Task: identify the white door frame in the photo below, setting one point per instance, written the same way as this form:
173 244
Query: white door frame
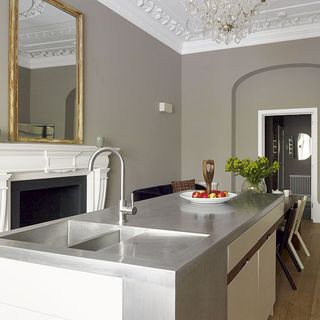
262 114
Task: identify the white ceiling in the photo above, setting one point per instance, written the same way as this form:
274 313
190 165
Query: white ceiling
281 20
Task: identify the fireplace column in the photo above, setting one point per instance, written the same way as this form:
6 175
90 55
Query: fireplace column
4 221
97 189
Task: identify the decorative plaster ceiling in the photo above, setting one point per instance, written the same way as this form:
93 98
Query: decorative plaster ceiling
281 20
47 35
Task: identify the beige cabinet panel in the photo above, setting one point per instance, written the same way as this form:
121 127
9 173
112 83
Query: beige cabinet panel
242 245
267 277
243 292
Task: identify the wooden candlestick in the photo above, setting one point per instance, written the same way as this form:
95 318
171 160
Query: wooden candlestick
208 173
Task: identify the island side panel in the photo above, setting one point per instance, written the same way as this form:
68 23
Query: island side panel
201 286
149 300
33 290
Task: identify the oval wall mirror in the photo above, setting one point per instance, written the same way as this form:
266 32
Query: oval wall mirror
45 66
304 146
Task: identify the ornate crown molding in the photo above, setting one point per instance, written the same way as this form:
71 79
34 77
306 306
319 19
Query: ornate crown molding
166 21
285 21
36 47
48 53
163 18
49 35
36 9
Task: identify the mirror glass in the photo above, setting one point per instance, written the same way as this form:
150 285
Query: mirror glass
49 94
303 146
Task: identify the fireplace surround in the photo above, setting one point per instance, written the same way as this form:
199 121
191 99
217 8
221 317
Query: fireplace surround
48 163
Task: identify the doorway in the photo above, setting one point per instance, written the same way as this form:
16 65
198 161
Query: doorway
281 136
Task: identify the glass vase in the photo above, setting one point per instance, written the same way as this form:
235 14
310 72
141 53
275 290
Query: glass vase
248 186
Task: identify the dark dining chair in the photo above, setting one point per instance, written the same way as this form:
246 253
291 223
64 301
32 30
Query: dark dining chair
282 243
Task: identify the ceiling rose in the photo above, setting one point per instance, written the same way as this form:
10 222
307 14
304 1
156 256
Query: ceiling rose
222 20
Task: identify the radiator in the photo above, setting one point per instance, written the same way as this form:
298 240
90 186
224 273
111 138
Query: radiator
300 184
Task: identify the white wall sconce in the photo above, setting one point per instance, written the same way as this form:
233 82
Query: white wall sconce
165 107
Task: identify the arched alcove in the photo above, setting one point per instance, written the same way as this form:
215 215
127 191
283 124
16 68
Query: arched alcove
275 87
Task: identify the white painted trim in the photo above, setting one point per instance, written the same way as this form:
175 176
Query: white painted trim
4 178
47 62
262 37
315 210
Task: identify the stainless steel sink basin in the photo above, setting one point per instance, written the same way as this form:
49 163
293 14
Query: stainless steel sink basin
98 236
62 234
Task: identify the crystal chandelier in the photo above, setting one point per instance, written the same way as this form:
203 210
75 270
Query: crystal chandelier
222 20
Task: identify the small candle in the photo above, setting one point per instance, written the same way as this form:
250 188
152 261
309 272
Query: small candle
99 142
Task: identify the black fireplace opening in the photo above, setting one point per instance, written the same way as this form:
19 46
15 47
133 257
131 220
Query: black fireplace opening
41 200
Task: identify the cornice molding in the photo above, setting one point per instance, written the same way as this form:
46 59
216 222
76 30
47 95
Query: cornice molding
49 35
163 18
47 62
262 37
153 18
48 48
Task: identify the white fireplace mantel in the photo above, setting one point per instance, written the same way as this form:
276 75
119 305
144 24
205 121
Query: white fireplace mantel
28 161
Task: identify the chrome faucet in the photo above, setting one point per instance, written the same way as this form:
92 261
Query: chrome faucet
124 209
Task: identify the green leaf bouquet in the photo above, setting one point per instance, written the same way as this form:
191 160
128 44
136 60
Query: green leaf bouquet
253 170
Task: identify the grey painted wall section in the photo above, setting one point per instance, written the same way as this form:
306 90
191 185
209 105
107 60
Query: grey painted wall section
207 82
50 88
24 94
127 73
4 27
274 89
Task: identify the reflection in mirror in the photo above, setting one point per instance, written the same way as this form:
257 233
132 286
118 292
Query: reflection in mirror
49 67
304 146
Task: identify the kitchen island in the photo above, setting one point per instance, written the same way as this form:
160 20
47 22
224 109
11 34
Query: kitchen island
173 260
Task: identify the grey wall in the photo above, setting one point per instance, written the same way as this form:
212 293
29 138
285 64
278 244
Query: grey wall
207 82
127 73
4 22
274 89
24 94
49 90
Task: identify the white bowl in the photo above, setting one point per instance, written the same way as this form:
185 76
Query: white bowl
206 209
188 196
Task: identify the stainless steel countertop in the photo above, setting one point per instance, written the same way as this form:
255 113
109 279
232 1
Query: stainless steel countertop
222 223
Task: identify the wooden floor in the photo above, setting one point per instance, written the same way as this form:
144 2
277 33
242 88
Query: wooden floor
303 304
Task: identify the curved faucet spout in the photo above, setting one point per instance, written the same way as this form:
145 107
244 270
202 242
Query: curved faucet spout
124 210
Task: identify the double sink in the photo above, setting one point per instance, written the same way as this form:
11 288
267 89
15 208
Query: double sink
110 238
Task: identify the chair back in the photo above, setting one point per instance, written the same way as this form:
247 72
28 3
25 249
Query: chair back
287 232
300 209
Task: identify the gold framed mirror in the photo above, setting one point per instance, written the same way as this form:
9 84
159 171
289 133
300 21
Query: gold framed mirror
45 72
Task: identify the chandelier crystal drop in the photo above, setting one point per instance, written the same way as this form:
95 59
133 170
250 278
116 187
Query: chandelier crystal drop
222 20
